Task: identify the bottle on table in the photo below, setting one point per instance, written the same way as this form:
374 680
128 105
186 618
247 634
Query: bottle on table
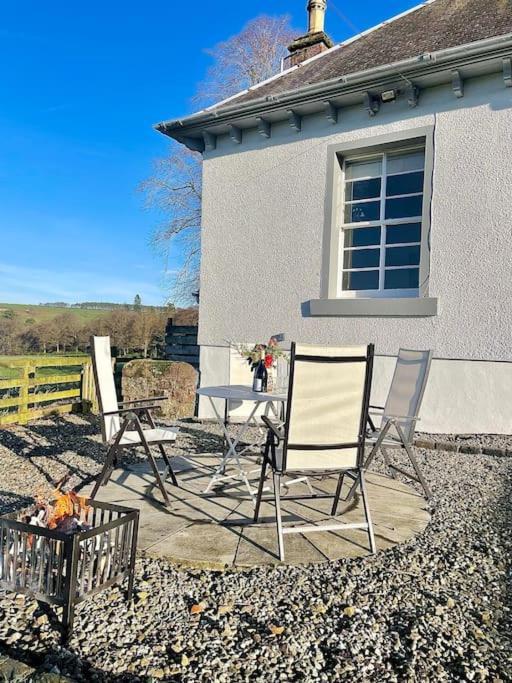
260 379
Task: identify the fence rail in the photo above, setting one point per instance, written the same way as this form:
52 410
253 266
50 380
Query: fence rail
181 343
29 399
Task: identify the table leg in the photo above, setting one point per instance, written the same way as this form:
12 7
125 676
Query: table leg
227 439
231 453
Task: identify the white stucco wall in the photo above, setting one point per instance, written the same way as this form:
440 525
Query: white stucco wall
462 397
264 208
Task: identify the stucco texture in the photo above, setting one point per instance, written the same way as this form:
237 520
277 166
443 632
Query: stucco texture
265 204
264 212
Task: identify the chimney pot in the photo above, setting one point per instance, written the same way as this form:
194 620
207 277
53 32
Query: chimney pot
315 40
316 10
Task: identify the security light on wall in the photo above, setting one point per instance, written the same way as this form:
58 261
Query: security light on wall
388 95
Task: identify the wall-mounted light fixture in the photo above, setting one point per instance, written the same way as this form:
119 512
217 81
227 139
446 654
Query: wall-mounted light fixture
388 95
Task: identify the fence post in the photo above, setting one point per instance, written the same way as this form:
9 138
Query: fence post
23 415
89 387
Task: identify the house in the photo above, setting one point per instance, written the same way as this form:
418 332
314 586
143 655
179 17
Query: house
364 194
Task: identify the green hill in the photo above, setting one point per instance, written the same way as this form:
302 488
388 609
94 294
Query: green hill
26 313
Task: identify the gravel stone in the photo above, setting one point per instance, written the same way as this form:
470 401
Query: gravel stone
437 608
480 441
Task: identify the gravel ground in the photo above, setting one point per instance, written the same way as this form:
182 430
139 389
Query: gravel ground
479 440
438 608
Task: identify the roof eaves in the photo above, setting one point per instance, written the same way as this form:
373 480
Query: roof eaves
306 62
325 88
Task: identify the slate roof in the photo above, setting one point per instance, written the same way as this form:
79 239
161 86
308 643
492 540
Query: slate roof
435 25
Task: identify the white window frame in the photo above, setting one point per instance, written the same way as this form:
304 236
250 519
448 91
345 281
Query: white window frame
381 223
332 262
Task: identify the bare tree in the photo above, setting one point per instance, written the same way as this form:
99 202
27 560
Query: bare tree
174 190
149 326
251 56
8 336
119 326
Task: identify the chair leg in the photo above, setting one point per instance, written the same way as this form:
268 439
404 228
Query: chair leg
167 461
369 459
149 454
371 537
279 523
156 473
311 490
337 494
372 455
387 462
260 489
416 467
106 471
367 464
111 459
352 491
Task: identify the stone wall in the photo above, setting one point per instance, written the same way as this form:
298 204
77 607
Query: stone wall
176 381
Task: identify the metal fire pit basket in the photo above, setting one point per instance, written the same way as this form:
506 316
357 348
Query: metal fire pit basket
65 569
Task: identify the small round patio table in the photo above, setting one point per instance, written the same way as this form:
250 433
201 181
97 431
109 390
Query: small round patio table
238 393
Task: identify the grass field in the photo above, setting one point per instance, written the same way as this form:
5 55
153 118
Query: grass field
7 372
26 312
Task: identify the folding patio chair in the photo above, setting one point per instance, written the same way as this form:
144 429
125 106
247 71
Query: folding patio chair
400 415
324 429
122 423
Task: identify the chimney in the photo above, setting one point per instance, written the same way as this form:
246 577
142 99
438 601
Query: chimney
316 10
315 40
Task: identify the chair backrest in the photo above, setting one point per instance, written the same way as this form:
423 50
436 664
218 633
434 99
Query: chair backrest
105 385
407 389
328 398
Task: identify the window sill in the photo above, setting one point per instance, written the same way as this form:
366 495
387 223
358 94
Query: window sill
377 308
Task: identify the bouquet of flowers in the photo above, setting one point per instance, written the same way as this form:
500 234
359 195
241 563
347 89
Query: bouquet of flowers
271 350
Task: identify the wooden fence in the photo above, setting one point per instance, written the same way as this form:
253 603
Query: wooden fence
30 380
181 343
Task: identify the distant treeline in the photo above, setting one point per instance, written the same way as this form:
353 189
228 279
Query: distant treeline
140 331
99 305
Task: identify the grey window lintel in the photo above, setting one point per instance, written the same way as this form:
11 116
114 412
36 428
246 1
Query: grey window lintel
376 307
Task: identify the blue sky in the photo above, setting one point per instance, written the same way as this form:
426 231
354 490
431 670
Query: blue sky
81 86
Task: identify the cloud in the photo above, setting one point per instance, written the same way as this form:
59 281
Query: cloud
19 284
55 108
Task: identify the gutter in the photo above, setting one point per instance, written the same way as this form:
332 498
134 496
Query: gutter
324 88
348 41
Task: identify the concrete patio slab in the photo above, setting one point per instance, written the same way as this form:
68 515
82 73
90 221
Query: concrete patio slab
217 531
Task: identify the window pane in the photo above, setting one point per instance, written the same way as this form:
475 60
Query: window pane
407 183
407 161
361 258
404 207
363 189
401 234
359 280
406 278
363 169
403 256
366 211
362 237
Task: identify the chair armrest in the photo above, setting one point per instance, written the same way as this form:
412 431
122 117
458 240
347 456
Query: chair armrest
273 427
143 400
134 409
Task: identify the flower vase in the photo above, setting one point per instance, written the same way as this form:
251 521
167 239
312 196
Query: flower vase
271 379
